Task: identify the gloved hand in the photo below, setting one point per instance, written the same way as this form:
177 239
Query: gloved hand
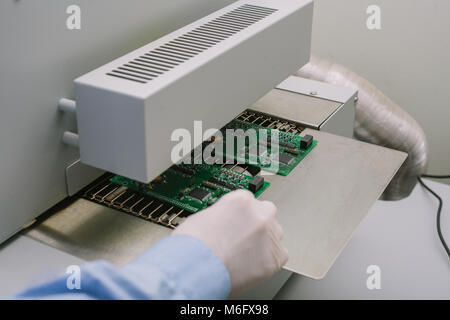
244 234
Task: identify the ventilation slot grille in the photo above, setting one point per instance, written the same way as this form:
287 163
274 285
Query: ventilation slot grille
166 57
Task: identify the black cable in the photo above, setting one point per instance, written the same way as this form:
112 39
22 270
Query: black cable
435 176
438 219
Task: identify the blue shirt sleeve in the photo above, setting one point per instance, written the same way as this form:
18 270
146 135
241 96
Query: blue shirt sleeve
177 267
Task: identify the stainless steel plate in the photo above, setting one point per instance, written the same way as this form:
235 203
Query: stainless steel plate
320 205
307 110
325 198
90 231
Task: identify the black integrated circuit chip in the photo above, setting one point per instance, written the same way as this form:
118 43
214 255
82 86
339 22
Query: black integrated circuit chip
306 142
199 194
285 159
256 184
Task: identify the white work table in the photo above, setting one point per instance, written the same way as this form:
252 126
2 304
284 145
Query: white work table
399 237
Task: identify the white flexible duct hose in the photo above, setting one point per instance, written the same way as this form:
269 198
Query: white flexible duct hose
379 121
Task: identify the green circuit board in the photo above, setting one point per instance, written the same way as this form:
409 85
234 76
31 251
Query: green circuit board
192 187
273 150
187 188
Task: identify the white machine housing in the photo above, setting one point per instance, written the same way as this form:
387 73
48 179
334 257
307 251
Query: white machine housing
128 109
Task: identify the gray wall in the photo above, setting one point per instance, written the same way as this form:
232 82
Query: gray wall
408 59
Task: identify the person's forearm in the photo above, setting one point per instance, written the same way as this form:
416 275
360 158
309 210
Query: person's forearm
177 267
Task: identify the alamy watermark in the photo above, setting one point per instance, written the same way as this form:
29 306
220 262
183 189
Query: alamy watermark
374 19
229 146
73 21
73 281
373 282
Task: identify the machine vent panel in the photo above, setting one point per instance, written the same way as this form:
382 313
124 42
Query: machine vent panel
173 53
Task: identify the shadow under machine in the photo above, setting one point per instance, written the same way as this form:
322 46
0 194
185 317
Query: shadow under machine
229 70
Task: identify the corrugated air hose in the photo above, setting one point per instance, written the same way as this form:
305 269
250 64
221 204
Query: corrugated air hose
378 121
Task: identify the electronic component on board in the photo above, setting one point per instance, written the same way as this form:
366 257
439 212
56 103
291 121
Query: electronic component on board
256 184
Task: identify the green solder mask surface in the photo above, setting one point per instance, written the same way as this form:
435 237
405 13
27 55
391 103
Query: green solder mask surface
185 189
211 181
175 184
289 145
